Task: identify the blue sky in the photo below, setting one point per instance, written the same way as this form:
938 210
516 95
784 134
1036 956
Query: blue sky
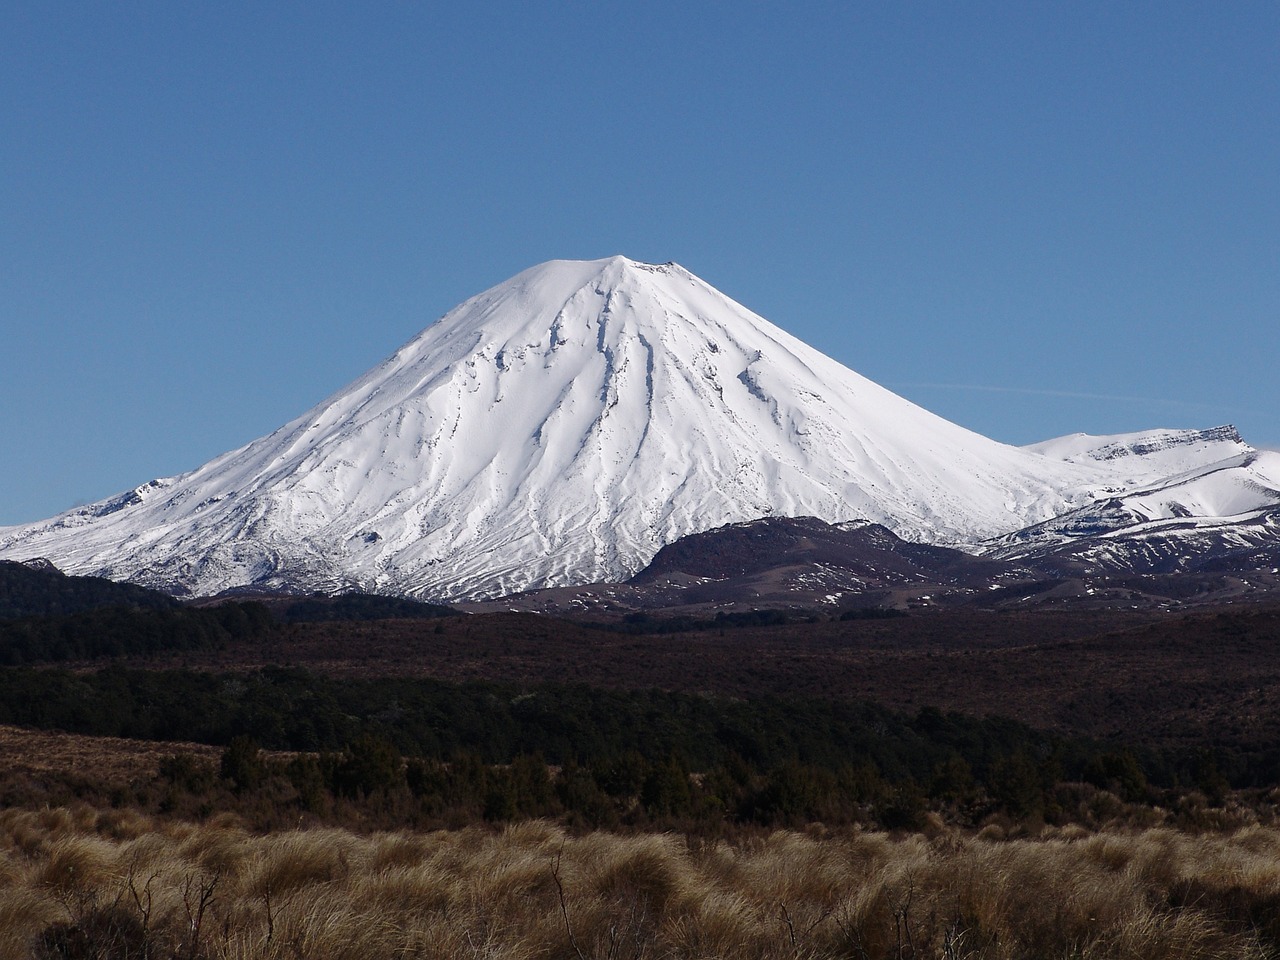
1031 218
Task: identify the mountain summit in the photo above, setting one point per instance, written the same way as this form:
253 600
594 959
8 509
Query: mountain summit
557 429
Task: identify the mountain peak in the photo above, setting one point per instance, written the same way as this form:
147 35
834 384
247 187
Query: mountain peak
540 299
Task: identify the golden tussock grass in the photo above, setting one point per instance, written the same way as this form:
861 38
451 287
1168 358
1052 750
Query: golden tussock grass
73 883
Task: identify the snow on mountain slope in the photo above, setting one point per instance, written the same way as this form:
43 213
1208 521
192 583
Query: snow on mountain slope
556 429
1230 505
1150 455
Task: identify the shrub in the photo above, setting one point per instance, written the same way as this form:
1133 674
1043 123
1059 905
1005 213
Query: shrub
242 764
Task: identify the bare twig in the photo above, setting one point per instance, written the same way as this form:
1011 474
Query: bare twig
791 927
564 907
141 899
196 899
902 923
852 935
952 941
826 915
271 919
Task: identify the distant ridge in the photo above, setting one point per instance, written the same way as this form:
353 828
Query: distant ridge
37 588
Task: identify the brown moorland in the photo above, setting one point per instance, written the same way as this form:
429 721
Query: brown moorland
107 762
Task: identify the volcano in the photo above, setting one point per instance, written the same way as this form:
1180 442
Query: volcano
558 429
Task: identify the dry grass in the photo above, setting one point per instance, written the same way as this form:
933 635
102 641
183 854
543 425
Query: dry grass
75 883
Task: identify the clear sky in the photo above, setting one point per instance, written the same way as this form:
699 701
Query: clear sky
1031 218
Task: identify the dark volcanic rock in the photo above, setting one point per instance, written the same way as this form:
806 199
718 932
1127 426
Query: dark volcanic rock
868 550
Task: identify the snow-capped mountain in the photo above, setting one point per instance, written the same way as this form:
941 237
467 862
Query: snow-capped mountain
1205 513
560 428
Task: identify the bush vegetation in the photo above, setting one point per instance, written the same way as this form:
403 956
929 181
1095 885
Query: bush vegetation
648 623
118 631
428 753
361 607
